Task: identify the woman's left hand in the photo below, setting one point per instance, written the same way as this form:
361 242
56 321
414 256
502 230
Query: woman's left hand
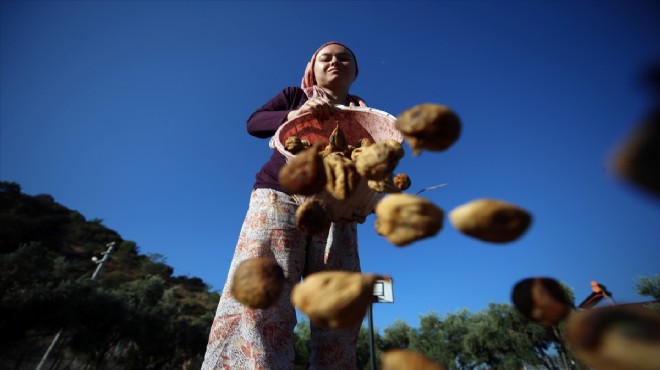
320 108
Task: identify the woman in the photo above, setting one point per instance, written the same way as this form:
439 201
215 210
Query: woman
245 338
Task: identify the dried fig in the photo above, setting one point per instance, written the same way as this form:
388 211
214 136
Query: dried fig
348 153
616 337
335 299
383 186
402 181
396 147
542 300
294 145
379 160
491 220
341 175
305 173
356 153
337 139
429 126
403 359
405 218
364 142
258 282
313 217
337 143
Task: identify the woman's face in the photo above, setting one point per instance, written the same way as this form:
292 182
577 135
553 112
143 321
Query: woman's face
334 67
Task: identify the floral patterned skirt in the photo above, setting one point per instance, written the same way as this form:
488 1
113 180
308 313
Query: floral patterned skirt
245 338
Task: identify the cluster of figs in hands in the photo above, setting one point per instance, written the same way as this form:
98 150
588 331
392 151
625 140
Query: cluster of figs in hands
338 166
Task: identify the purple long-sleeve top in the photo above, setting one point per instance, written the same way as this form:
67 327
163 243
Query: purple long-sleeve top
264 122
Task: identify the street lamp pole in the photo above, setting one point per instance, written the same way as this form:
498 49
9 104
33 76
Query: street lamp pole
99 267
372 347
382 294
100 263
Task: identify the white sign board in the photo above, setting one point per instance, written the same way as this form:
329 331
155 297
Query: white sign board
383 291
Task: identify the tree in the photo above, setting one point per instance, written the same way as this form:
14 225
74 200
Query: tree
649 287
398 335
501 338
27 283
442 340
363 350
497 337
302 335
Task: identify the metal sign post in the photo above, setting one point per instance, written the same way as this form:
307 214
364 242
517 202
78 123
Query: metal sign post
382 294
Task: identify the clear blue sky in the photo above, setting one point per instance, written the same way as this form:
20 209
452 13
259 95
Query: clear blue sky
134 112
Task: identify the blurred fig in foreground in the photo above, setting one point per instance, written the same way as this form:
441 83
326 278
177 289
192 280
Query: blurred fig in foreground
402 181
305 173
258 282
335 299
429 127
491 220
638 159
378 161
619 337
402 359
405 218
313 217
542 300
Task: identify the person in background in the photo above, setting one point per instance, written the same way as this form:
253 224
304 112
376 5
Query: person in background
246 338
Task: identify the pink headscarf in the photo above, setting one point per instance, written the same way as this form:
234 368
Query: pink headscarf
308 83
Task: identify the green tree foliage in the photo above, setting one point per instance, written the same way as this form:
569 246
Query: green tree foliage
28 282
503 339
301 338
442 339
494 338
497 337
363 350
397 335
649 287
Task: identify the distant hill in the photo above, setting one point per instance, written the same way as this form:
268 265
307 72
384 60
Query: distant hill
136 315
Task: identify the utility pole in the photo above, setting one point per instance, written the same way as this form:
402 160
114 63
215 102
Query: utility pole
99 267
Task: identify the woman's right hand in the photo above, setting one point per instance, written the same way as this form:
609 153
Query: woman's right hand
320 108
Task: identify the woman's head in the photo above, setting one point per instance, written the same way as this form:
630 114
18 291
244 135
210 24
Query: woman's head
333 65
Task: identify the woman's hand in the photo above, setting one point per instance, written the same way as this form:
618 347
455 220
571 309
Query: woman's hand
320 108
